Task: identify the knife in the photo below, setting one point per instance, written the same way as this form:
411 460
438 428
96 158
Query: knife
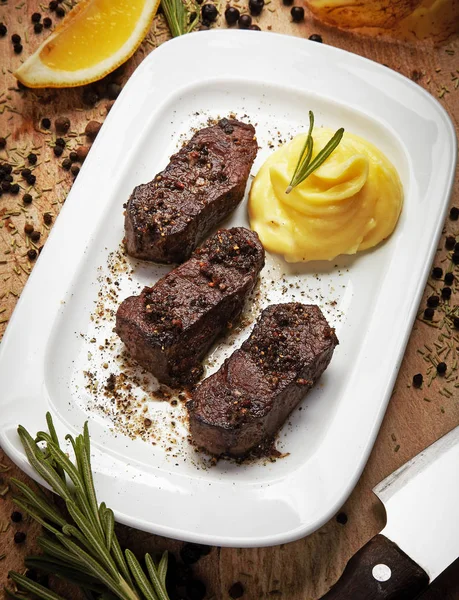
421 537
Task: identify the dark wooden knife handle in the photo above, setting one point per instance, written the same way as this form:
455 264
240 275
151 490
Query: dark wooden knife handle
396 576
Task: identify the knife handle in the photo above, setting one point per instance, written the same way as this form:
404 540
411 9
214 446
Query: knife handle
379 571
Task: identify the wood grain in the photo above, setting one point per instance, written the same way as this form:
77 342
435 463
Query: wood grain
306 569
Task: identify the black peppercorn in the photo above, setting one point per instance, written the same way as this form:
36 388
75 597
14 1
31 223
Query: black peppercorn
297 13
256 6
429 313
60 142
60 12
58 150
53 5
75 170
456 246
417 380
3 30
209 12
113 90
441 368
26 173
437 272
232 15
66 164
342 518
7 168
449 278
236 590
73 156
8 178
244 21
32 254
47 218
450 242
35 236
191 553
315 37
31 179
196 590
90 97
6 186
45 123
27 199
14 189
2 143
254 28
38 27
16 38
454 213
36 17
19 537
456 322
287 2
47 22
16 516
455 257
446 293
17 48
28 228
32 158
433 301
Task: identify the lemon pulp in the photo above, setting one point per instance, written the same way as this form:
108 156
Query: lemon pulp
94 34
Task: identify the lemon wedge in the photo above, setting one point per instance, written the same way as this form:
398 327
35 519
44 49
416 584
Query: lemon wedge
94 39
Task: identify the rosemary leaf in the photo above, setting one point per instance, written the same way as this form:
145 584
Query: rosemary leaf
155 578
178 17
33 499
62 570
304 166
96 569
28 585
139 576
162 568
305 155
57 551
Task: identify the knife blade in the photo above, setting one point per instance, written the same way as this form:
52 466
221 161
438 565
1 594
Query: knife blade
421 537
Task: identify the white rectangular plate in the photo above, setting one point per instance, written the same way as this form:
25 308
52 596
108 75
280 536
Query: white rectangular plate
152 477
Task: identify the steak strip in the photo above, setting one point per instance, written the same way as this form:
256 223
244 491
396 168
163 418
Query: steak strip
166 219
246 401
169 328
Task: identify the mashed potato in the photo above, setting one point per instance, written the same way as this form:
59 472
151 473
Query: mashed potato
350 203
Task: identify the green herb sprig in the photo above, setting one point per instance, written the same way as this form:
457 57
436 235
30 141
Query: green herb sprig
82 546
179 18
305 167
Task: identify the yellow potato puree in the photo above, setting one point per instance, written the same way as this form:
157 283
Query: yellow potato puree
350 203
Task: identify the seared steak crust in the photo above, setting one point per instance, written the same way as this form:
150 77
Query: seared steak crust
166 219
246 401
169 328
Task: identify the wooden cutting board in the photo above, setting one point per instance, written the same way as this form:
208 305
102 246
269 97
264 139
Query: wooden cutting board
303 570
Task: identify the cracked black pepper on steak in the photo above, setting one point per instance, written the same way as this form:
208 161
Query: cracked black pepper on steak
243 404
169 328
202 184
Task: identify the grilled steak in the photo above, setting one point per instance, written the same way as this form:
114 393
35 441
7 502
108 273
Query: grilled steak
169 328
246 401
203 183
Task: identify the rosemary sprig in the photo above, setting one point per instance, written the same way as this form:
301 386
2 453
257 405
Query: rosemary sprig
82 547
304 166
179 18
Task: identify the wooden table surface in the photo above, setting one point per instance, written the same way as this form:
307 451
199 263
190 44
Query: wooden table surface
303 570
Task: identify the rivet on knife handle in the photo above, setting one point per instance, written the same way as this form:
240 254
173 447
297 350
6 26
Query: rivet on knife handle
379 571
